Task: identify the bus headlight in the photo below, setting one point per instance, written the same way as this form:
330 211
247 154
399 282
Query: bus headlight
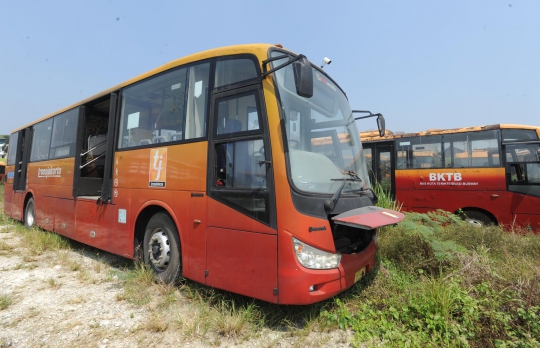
314 258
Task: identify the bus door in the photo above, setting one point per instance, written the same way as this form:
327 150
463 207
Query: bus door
22 156
95 146
381 164
523 176
21 160
241 235
92 179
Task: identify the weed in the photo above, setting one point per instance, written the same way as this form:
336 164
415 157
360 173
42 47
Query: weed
74 266
29 258
195 321
31 266
97 267
418 243
53 283
86 276
76 300
156 323
4 247
137 284
38 241
5 301
231 322
62 257
385 198
168 295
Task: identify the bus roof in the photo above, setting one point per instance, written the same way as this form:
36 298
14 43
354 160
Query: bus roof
260 50
374 136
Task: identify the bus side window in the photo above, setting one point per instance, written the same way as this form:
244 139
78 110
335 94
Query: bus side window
166 108
516 173
41 141
240 169
237 164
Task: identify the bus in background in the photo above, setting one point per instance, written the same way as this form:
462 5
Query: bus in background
205 169
2 172
490 173
3 145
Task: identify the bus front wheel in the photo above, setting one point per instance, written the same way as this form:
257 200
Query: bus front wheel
161 249
477 218
29 213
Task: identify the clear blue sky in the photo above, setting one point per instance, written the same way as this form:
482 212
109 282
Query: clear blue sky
423 64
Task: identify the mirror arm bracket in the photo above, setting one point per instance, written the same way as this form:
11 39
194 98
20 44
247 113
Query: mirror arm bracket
290 61
380 119
366 112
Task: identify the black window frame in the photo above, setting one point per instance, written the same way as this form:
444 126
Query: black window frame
34 143
241 83
208 92
447 148
218 193
12 149
72 145
233 96
505 135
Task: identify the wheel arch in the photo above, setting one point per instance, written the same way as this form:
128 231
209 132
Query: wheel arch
148 210
29 194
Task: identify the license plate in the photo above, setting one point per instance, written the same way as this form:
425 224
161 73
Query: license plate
359 274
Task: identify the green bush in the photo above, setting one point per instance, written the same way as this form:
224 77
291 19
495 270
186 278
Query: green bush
443 282
416 244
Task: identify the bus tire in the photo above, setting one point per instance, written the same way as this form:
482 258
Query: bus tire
29 213
161 249
477 218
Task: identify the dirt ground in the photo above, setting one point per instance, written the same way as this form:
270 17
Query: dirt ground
73 298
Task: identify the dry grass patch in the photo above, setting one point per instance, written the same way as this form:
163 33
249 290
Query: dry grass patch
4 247
233 322
38 241
5 301
62 257
74 266
138 285
156 323
76 300
86 276
53 283
29 258
97 267
194 321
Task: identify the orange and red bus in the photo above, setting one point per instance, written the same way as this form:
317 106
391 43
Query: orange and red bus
204 168
2 172
491 174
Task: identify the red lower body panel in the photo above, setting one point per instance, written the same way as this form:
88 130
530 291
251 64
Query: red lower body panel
300 285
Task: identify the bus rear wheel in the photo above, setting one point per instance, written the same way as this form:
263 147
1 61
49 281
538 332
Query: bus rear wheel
477 218
29 213
161 249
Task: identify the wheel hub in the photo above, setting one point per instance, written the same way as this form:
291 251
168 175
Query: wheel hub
159 249
30 215
475 222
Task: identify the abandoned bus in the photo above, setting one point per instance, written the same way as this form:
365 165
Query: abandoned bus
490 173
205 169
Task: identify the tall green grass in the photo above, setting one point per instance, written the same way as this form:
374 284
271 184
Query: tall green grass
443 282
384 198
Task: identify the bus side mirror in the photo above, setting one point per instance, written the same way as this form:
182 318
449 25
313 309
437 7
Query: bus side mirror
303 77
381 125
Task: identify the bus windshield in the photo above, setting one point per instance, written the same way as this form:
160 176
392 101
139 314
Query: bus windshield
323 141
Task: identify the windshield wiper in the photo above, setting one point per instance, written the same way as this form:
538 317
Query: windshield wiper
330 204
367 192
